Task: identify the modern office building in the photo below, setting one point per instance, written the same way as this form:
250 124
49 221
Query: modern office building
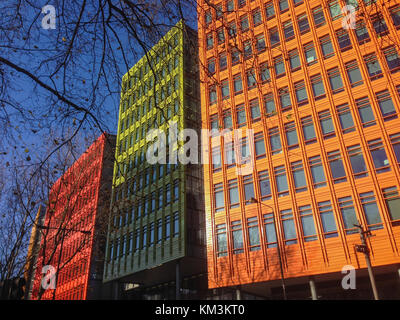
73 235
156 238
323 98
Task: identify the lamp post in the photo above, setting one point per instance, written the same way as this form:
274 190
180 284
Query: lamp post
61 247
254 200
363 248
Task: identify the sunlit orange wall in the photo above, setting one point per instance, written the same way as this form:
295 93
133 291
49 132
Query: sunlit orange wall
324 254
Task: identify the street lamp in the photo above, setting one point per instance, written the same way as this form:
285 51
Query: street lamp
254 200
61 247
363 248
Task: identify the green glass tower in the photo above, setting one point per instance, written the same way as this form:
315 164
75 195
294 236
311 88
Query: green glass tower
156 234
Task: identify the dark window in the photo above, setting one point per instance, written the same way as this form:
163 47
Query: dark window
345 118
298 176
294 60
248 187
240 115
270 230
301 93
392 59
392 201
281 181
260 43
251 79
269 104
291 135
223 62
371 210
257 19
386 105
283 5
348 214
289 229
353 73
237 236
326 46
247 49
302 21
361 32
274 37
308 130
265 185
379 25
395 140
254 235
373 67
327 219
343 39
284 99
237 84
378 155
220 35
395 13
365 112
255 110
269 10
318 16
225 89
318 87
336 166
279 66
222 245
244 24
288 30
335 80
317 171
211 65
307 223
264 73
275 140
327 127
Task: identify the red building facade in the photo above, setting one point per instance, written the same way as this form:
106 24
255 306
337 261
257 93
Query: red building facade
323 101
72 240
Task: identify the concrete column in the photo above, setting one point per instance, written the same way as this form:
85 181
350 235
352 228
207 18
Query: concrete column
238 294
313 288
115 290
177 281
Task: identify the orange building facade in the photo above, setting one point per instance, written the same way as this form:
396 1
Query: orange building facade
323 99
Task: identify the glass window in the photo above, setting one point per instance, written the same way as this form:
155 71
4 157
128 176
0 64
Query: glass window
237 236
343 39
378 154
269 104
302 21
257 19
219 197
345 118
227 118
244 23
361 32
294 60
335 80
274 37
301 93
253 233
309 53
230 6
307 223
233 193
334 9
235 56
317 86
260 43
291 135
269 10
373 67
353 72
326 46
265 185
298 176
386 105
348 214
327 219
284 98
371 210
288 30
379 25
392 201
240 115
283 5
264 73
308 130
259 145
216 159
365 111
275 140
237 84
225 89
392 59
395 14
318 16
327 127
251 79
281 181
336 165
176 225
247 49
248 187
357 161
317 171
270 230
395 141
212 94
289 229
230 158
279 66
222 245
